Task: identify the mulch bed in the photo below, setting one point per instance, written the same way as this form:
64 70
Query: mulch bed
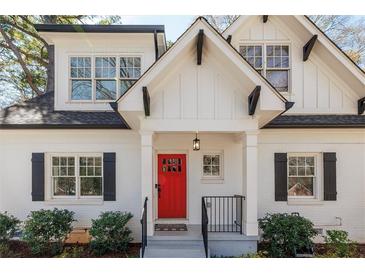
20 249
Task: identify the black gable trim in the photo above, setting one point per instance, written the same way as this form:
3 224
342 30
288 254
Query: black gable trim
39 113
318 121
100 28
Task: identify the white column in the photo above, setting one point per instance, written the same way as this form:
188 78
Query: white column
147 176
250 181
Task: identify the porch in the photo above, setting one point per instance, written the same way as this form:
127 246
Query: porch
220 213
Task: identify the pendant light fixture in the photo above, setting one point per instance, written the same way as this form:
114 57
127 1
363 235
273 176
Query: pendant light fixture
196 142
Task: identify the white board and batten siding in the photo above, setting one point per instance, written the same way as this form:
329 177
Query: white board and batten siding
199 92
313 86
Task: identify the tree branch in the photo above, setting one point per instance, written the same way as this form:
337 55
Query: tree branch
16 52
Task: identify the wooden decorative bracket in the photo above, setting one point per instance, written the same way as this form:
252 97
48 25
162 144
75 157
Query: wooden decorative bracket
308 47
253 99
146 101
199 47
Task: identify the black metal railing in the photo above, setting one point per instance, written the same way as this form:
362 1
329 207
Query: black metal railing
144 227
205 222
224 213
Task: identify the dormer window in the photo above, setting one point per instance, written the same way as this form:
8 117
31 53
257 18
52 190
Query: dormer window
98 78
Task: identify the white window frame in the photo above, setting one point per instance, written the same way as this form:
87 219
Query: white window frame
264 69
318 186
221 165
78 197
93 78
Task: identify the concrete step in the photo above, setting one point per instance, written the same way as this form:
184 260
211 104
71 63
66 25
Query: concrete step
174 249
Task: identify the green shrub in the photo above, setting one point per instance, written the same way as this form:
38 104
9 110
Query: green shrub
286 233
338 245
110 233
8 226
46 230
6 251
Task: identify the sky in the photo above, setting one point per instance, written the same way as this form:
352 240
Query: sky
175 25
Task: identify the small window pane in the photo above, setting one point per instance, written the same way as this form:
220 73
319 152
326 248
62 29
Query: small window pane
74 72
277 62
215 160
270 51
277 51
258 62
309 171
250 51
106 90
292 161
97 161
55 171
207 160
63 161
270 62
55 161
90 171
82 161
97 171
285 51
64 186
309 161
285 62
73 62
215 170
82 171
301 171
137 62
301 161
293 171
251 60
279 79
258 51
81 90
91 186
207 170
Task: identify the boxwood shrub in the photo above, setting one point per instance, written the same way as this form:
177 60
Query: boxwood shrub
110 232
46 230
285 234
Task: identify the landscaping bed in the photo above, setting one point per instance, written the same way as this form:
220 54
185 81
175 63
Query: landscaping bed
20 249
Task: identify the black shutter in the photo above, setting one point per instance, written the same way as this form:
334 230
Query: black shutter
329 166
109 176
281 175
37 176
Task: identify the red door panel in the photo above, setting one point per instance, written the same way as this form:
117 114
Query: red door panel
172 186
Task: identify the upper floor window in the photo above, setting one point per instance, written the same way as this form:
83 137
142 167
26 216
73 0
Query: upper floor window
98 79
272 61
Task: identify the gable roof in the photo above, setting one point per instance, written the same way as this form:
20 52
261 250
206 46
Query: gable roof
311 27
100 28
228 45
39 113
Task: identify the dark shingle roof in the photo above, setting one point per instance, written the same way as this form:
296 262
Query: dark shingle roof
318 121
39 113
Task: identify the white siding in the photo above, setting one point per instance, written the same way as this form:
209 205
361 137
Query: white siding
350 151
314 86
16 170
199 92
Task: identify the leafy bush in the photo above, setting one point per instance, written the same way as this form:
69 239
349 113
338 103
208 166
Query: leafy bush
258 254
110 233
8 226
338 245
6 251
46 230
286 233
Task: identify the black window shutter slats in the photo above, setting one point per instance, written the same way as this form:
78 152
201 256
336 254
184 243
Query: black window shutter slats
329 169
37 176
109 176
281 175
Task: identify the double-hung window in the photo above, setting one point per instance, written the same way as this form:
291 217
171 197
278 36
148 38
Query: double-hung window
272 61
302 175
76 176
105 82
102 78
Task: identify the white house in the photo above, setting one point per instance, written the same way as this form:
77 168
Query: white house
275 110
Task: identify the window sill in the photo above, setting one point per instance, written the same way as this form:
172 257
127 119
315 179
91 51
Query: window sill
75 202
304 202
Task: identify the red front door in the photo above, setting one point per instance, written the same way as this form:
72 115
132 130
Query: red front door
171 186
